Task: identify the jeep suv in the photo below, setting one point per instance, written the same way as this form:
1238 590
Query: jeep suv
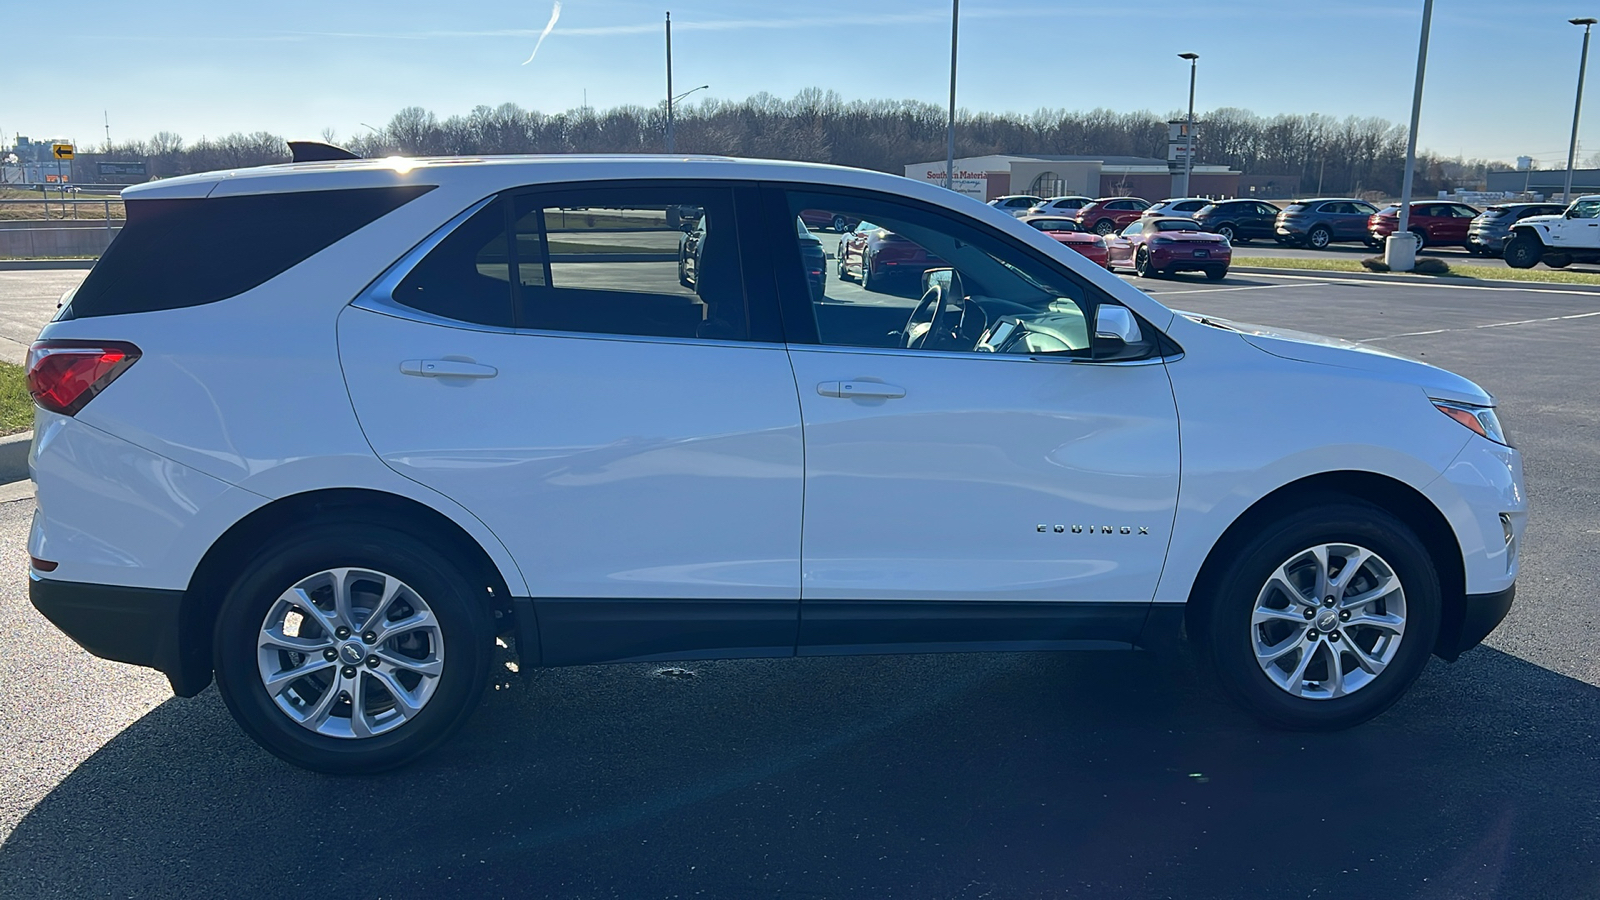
324 432
1557 241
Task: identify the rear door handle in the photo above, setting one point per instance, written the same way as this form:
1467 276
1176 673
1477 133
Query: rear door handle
447 368
861 390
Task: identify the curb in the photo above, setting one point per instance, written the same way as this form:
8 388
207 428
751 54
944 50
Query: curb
23 265
1443 280
14 456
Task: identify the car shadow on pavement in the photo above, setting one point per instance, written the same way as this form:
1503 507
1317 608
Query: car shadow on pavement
1103 775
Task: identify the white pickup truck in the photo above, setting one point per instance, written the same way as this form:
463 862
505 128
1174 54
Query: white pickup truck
1557 241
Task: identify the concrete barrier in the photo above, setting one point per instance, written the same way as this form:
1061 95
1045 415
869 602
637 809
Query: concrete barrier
14 456
89 240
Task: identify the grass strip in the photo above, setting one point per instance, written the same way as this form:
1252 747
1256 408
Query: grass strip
16 406
1457 272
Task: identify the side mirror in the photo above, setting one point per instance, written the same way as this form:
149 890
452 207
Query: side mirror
1116 326
944 278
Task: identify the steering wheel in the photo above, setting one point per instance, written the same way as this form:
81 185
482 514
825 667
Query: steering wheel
910 338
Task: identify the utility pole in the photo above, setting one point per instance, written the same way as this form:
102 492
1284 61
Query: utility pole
1577 107
950 129
1188 155
669 82
1400 250
107 115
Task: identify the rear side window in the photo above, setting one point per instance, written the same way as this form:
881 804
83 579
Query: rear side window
179 253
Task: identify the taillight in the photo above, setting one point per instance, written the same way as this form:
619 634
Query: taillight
63 376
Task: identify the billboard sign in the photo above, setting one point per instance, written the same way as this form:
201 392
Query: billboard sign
1178 140
962 181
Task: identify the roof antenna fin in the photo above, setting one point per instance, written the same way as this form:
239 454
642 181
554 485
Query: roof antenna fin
317 151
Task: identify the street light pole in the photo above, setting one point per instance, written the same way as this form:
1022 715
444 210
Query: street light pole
669 81
1403 260
1188 153
950 129
1577 106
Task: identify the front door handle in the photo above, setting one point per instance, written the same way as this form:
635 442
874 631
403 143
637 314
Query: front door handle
447 368
861 390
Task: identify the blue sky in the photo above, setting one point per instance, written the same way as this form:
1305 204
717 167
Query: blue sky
1500 78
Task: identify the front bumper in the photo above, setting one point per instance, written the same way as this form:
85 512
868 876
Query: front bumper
142 626
1481 614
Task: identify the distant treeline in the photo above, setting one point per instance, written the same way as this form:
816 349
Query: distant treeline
1342 155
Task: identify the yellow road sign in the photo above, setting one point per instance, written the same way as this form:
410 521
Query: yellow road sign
62 151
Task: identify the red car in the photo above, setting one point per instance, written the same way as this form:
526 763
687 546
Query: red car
1109 215
881 259
1155 247
1433 222
1070 233
822 218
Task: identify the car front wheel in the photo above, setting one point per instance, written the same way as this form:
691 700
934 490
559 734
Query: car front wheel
1319 237
352 648
1523 252
1325 618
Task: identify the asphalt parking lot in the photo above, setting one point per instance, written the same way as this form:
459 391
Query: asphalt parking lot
985 775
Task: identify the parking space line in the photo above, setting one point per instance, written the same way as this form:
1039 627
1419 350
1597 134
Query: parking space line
1531 289
1253 287
1390 337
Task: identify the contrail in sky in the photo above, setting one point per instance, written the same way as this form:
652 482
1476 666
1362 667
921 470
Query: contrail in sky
555 13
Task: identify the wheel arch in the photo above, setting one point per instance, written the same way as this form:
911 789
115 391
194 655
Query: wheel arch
1392 495
222 562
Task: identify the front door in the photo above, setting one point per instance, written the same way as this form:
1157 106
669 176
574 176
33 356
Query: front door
974 476
634 442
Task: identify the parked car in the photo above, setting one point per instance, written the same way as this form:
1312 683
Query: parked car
1109 215
1435 223
1557 241
1156 247
1239 220
813 258
1488 233
882 260
1071 234
1016 204
323 434
1060 206
818 218
1177 206
1318 223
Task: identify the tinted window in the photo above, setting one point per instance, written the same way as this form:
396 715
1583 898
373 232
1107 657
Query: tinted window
1335 209
660 262
179 253
1055 225
468 275
1121 204
1365 209
1178 226
997 288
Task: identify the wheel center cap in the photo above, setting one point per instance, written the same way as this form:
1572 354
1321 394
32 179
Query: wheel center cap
1327 620
352 652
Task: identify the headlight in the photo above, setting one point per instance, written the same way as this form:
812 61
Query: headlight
1478 418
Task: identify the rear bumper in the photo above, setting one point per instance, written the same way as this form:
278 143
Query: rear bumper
142 626
1481 614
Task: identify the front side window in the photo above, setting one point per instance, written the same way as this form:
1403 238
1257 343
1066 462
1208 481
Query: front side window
1133 229
1586 209
926 280
1365 209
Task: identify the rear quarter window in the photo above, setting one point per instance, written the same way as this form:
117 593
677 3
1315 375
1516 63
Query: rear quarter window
177 253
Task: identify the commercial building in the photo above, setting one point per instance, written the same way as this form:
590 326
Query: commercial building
1545 182
988 177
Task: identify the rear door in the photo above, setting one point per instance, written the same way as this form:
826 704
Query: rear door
972 483
634 442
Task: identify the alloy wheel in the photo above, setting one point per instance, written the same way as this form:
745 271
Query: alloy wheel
1328 621
350 653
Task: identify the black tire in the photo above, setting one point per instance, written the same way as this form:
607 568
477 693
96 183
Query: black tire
1141 264
464 624
867 281
1557 260
1319 237
1227 636
1227 231
1422 237
1216 274
1373 244
683 277
1105 227
1523 252
839 224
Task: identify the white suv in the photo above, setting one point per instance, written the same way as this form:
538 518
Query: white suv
1557 241
325 430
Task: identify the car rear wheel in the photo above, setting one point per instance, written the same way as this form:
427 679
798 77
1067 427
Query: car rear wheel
1104 227
1557 260
839 224
1523 252
1324 618
1216 274
1422 237
331 648
867 281
1228 232
1319 237
1142 266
